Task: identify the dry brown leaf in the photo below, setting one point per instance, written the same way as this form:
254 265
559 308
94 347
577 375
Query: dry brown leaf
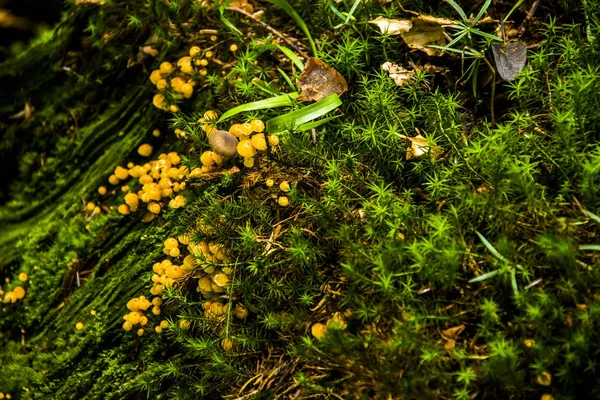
319 80
392 26
398 73
452 333
419 147
418 32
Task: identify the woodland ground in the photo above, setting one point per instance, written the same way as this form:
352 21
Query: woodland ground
441 237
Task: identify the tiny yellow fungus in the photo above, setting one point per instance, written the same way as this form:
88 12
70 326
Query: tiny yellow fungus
154 208
204 62
208 54
125 189
143 321
140 332
102 190
283 201
173 158
159 101
19 292
547 396
259 142
121 173
257 125
156 133
123 209
171 243
175 272
79 326
249 162
269 182
213 38
318 330
155 76
93 312
240 311
97 210
273 140
284 186
247 128
233 48
203 72
221 280
162 84
10 297
544 379
157 301
113 180
166 68
132 200
174 252
145 150
134 317
245 148
164 324
133 304
177 83
211 115
227 344
173 108
194 51
156 310
22 276
127 326
184 324
158 329
187 90
90 206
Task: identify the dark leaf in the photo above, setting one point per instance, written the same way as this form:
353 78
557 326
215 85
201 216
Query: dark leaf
510 59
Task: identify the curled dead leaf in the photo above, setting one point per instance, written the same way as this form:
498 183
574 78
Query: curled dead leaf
398 73
419 147
510 59
419 32
319 80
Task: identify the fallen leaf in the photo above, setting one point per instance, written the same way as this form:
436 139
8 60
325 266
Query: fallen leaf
426 31
399 74
392 26
510 59
319 80
26 113
452 333
151 51
419 147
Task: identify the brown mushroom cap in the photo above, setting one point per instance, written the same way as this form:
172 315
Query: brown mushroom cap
223 143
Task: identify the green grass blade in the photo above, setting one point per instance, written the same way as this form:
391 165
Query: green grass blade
352 10
491 248
227 22
592 247
512 10
296 118
485 276
486 35
482 11
593 216
292 56
273 102
458 9
286 78
513 282
311 125
285 6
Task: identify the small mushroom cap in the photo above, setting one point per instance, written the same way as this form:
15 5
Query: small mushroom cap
223 143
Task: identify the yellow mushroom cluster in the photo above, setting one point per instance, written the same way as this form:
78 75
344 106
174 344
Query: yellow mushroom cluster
5 396
337 321
160 180
252 139
136 316
284 186
17 293
180 77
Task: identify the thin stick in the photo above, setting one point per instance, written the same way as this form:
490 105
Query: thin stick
270 29
529 16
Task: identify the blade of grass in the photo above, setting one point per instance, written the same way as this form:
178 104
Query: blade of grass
512 10
311 125
593 216
286 78
592 247
225 21
458 9
296 118
285 6
481 12
485 276
513 282
273 102
491 248
292 56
